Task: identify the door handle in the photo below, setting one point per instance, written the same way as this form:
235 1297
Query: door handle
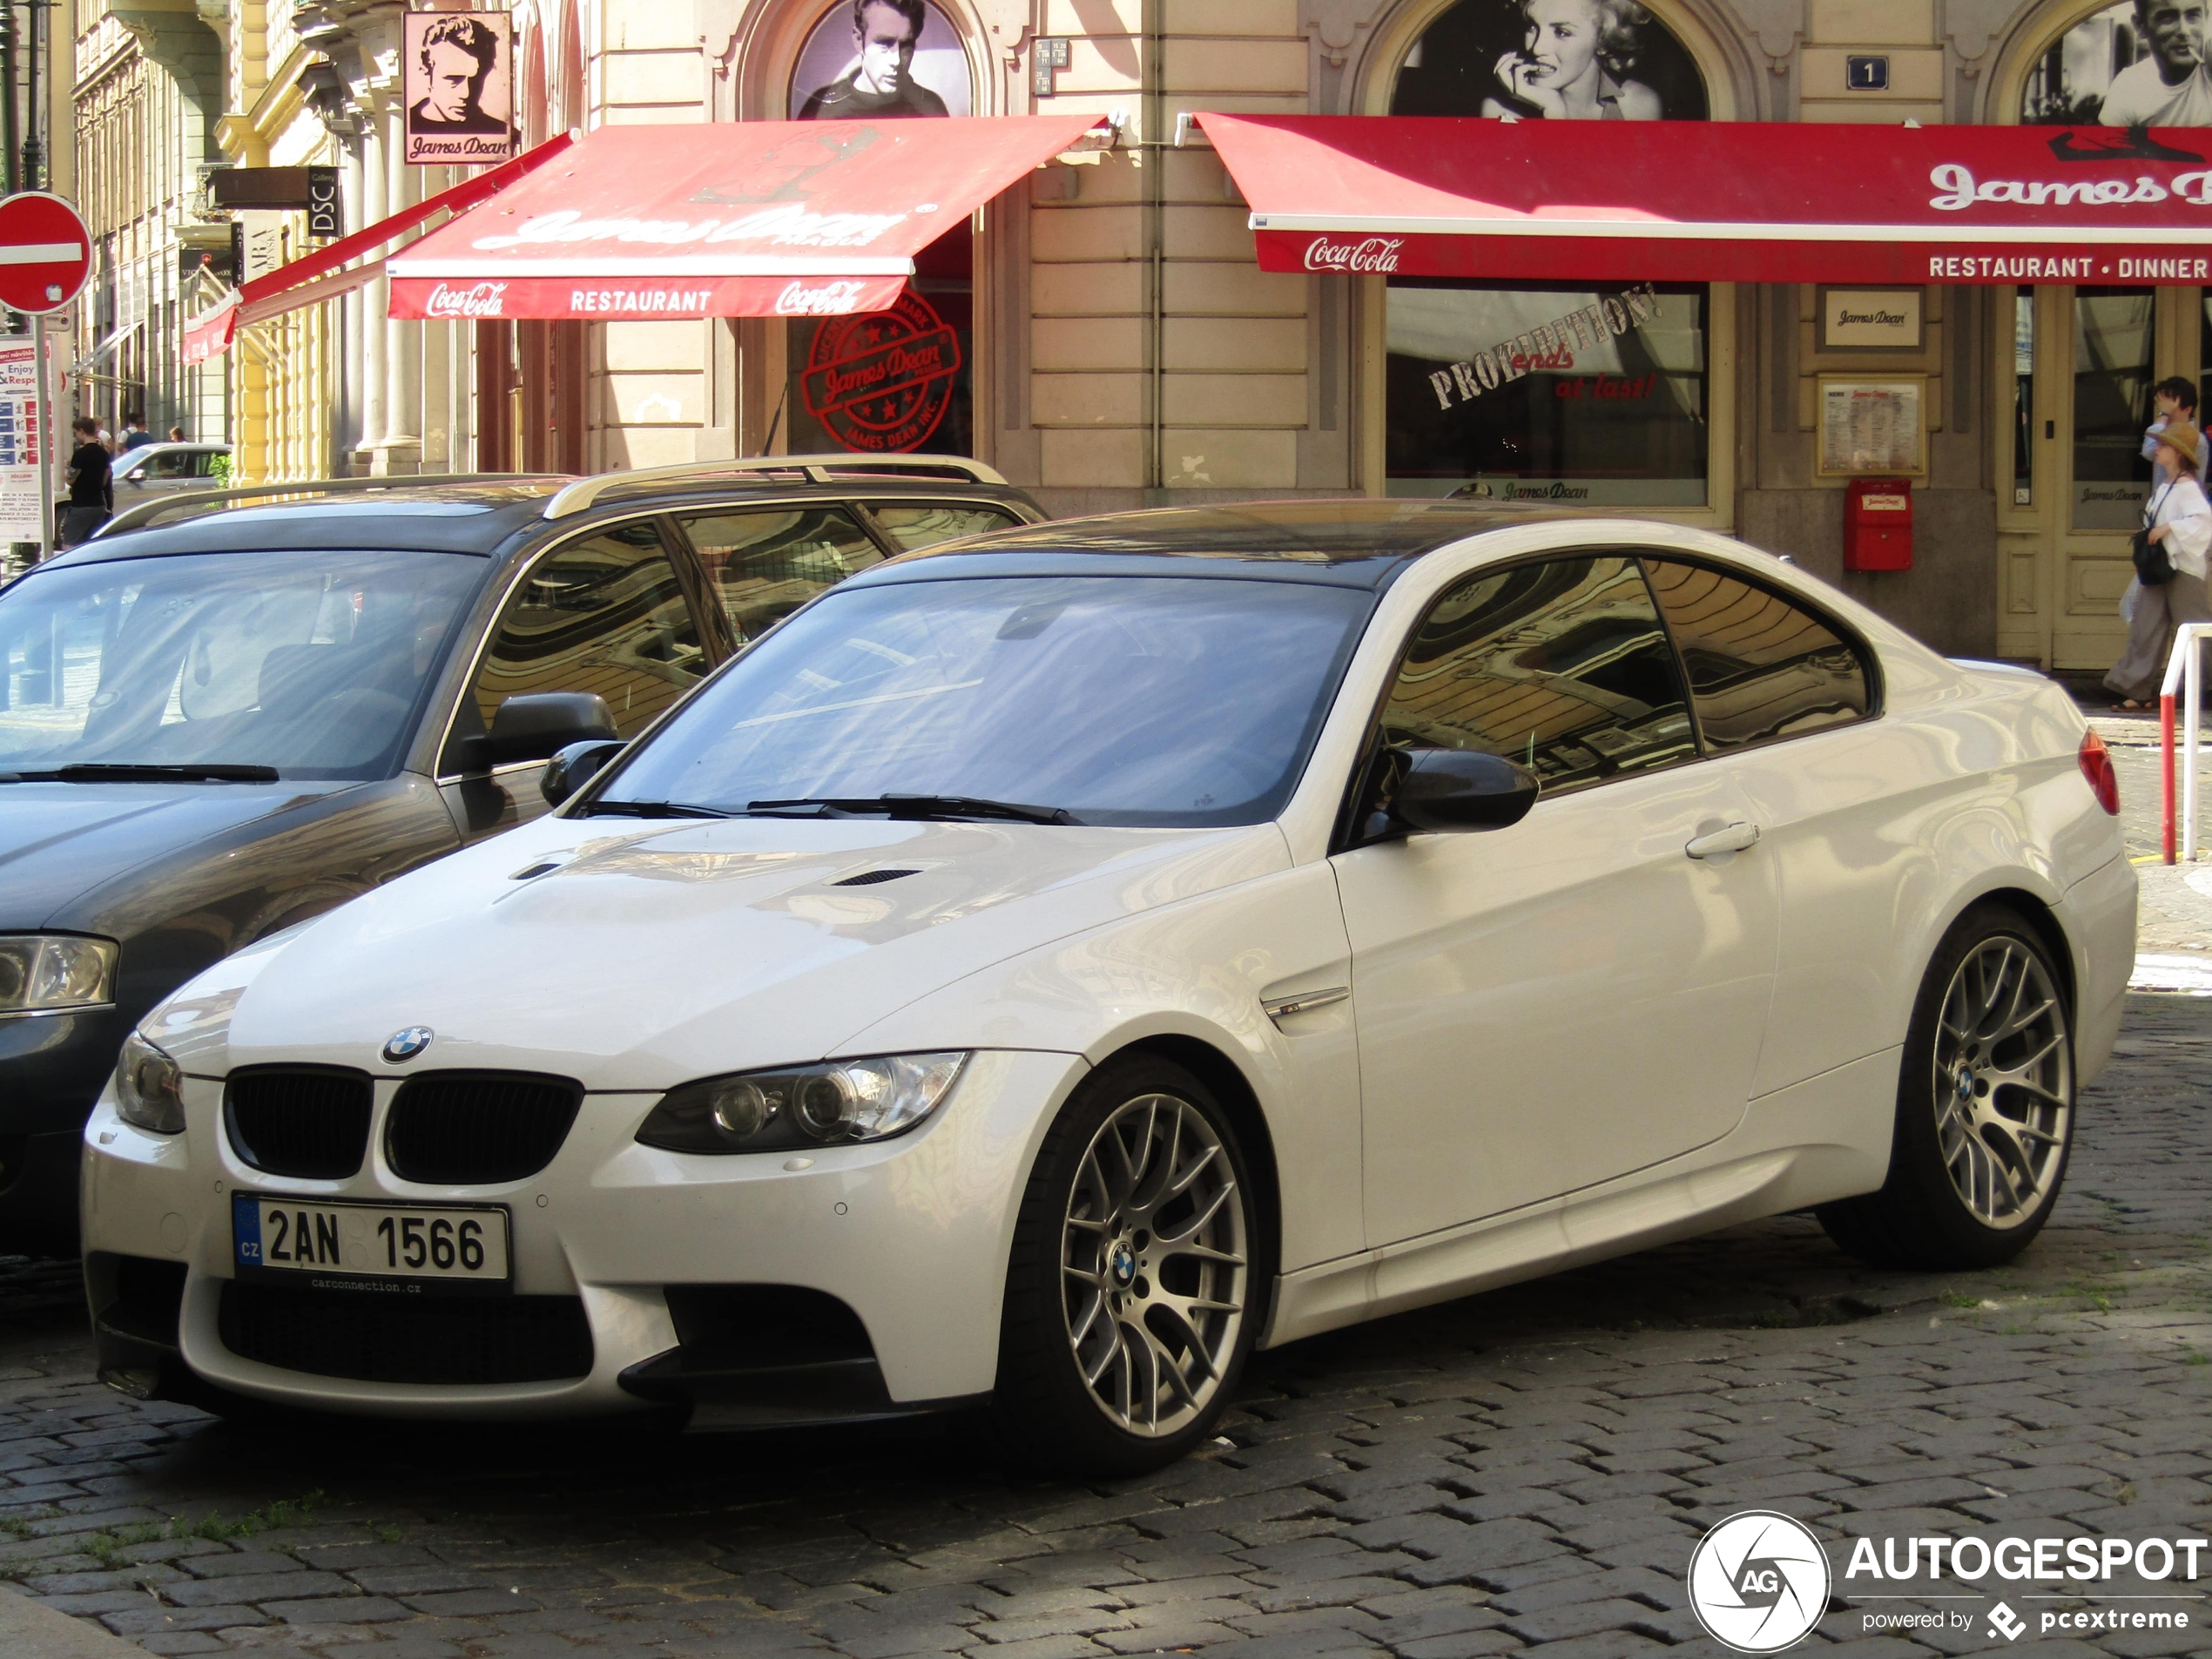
1734 839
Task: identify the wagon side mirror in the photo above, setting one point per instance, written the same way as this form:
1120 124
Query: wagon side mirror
536 724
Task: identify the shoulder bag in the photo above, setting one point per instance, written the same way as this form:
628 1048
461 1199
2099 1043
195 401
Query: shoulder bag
2153 568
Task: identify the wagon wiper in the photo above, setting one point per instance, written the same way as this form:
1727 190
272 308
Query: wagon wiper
651 809
135 771
915 806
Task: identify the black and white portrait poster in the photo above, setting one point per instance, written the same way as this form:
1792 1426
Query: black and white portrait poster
457 80
870 59
1574 60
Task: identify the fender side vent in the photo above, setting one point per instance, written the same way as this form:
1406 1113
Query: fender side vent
873 878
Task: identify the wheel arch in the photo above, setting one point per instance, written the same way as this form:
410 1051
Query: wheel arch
1225 1078
2047 928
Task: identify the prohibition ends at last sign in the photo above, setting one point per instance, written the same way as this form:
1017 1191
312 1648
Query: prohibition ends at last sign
46 253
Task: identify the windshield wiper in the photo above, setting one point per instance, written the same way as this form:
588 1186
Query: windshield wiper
651 809
917 806
135 771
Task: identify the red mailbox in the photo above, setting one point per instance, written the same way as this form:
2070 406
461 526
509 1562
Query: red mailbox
1878 524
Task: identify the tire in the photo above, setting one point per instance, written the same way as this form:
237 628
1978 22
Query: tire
1133 1288
1984 1107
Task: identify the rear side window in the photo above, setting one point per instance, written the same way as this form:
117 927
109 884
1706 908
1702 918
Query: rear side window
914 524
1561 666
764 565
1761 667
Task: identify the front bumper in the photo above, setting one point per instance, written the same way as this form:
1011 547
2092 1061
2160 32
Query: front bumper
911 1235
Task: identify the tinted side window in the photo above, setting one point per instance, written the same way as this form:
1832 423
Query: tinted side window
604 615
765 565
925 524
1561 666
1760 666
176 464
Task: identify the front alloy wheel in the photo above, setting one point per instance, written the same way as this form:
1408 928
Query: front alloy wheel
1985 1108
1153 1256
1129 1296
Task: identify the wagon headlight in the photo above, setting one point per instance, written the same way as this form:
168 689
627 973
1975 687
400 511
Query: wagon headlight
45 972
833 1104
149 1088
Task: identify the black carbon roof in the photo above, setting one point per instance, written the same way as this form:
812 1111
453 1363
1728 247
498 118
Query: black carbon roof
1352 541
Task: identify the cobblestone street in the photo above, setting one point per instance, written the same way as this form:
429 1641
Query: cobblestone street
1526 1468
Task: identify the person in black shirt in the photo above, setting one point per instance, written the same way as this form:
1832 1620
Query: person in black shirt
885 33
89 499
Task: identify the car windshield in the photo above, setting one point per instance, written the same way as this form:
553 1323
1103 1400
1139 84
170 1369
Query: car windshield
1118 700
308 662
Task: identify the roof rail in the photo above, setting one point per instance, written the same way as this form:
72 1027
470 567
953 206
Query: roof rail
138 514
819 469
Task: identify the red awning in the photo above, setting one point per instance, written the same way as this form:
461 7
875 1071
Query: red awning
321 275
754 219
1717 201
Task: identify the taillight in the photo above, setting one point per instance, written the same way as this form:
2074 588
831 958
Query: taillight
2096 766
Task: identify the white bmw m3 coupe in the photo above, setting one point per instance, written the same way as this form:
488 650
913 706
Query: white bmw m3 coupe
1045 968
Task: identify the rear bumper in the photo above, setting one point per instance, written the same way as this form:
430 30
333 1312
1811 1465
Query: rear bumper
2099 915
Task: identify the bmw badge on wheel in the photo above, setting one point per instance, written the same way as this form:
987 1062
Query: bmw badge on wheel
1759 1582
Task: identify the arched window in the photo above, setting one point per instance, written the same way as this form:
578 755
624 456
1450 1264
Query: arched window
850 383
1505 393
2139 64
1588 60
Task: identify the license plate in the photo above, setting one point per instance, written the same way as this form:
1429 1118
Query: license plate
428 1248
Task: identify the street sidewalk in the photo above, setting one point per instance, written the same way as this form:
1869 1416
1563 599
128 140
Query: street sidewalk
2174 927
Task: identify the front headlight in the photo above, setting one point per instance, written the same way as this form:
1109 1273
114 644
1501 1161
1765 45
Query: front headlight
149 1088
43 973
833 1104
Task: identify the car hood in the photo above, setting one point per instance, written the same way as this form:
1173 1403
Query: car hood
637 957
60 842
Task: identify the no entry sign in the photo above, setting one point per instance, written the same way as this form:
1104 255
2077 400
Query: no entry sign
45 252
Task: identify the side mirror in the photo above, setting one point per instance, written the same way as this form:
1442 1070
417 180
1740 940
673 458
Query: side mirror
537 724
574 766
1460 789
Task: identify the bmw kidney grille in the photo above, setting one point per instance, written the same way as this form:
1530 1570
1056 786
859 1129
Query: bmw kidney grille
458 1129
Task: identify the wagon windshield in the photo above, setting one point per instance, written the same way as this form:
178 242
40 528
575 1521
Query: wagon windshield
310 663
1122 700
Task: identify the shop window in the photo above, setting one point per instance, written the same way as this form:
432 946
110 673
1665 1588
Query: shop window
1761 668
1591 398
764 565
1561 666
2113 348
2128 65
1589 60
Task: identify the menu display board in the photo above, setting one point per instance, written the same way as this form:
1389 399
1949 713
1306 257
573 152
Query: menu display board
20 450
1873 427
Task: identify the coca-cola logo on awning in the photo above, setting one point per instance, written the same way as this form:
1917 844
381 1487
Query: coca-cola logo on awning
483 299
1374 256
824 300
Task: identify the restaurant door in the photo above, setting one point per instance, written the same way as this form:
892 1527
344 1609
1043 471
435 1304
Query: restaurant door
2076 368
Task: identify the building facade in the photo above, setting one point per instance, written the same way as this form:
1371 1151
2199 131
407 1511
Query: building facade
1118 344
144 80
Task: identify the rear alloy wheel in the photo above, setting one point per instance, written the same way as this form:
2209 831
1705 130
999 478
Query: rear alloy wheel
1129 1297
1984 1107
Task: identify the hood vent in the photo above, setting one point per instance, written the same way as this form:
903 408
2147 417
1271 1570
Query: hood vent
873 878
